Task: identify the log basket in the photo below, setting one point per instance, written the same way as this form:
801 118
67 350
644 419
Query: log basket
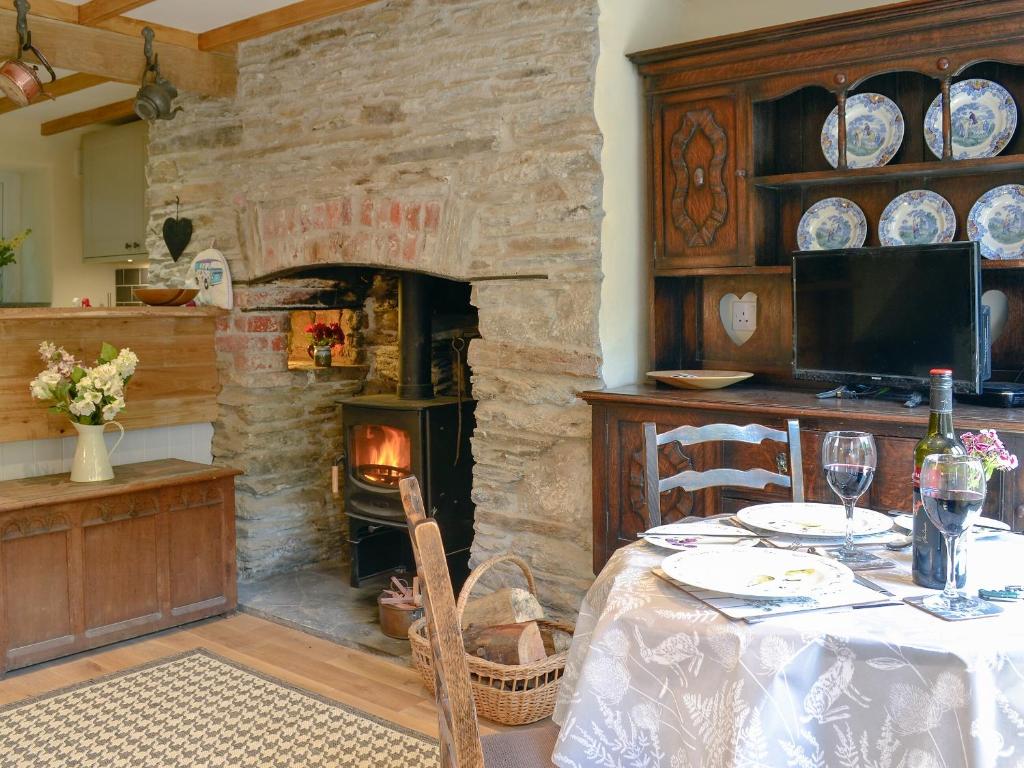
506 694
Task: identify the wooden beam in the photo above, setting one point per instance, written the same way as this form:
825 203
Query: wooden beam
273 21
95 11
50 9
119 110
126 25
55 9
62 87
119 57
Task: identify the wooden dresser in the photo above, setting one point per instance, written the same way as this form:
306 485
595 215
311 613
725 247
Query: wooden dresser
88 564
618 416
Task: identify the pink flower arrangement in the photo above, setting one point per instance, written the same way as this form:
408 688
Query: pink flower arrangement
987 446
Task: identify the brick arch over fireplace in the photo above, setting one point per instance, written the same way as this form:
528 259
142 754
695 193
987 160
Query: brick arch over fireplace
472 154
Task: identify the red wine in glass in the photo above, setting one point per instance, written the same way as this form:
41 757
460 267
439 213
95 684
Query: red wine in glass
849 460
952 493
953 512
849 481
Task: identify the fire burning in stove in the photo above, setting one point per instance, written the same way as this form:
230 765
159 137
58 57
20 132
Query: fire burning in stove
382 455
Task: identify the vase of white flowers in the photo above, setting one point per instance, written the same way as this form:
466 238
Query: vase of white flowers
91 397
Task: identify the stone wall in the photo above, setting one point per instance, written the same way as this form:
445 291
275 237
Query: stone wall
454 137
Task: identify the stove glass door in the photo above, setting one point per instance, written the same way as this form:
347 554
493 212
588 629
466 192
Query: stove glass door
381 456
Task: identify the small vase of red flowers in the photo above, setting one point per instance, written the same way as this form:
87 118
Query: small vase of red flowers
324 337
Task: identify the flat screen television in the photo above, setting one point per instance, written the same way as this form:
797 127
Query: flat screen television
887 316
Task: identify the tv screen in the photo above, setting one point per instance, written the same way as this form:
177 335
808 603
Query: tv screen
887 316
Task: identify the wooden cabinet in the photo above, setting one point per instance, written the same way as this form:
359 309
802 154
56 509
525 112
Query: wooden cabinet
697 209
114 213
619 414
87 564
735 160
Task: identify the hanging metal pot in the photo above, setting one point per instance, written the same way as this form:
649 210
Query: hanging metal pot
156 92
19 80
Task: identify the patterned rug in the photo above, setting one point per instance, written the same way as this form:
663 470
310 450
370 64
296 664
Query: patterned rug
199 710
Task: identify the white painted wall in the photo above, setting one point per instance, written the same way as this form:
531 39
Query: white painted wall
31 458
50 267
634 25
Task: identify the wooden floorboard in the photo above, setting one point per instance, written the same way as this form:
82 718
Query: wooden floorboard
370 683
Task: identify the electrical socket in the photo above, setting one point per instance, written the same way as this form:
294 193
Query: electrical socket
744 316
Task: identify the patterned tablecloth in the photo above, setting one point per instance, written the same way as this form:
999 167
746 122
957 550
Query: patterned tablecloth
656 678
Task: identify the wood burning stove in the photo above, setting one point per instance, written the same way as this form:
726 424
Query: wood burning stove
390 436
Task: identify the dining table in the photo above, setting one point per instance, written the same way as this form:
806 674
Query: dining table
656 677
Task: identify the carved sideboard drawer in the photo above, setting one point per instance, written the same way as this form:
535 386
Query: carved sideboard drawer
84 565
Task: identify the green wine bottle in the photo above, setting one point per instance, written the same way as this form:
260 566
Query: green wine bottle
929 568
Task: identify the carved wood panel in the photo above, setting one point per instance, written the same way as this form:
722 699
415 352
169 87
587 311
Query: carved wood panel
696 209
698 151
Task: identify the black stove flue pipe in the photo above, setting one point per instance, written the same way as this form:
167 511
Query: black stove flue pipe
414 328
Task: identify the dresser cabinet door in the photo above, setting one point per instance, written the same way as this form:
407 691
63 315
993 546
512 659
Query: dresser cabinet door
698 206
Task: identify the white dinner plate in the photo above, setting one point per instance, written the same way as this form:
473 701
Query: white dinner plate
820 521
834 222
984 117
917 217
987 524
874 131
996 222
764 574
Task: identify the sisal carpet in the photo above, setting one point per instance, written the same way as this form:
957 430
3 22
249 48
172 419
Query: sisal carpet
199 710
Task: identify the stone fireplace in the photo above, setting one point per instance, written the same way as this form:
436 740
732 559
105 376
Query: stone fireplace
441 158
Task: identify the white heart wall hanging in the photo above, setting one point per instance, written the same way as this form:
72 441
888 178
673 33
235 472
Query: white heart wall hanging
739 316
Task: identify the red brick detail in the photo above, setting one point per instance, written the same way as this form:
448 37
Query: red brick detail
432 218
412 216
346 229
263 323
409 249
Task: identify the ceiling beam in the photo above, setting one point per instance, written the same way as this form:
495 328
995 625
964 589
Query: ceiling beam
119 57
55 9
126 25
273 21
119 110
62 87
50 9
95 11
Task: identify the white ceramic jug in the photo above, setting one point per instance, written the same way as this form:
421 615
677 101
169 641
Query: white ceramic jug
92 460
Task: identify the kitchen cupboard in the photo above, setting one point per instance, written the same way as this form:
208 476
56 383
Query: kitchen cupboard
114 214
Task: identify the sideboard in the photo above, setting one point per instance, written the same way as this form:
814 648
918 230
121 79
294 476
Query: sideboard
88 564
619 415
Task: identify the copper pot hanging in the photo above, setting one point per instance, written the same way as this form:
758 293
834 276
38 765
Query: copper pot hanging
19 80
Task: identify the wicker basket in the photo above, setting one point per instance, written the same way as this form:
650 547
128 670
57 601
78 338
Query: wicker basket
511 695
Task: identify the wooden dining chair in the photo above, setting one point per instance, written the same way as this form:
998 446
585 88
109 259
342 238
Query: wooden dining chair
460 742
692 480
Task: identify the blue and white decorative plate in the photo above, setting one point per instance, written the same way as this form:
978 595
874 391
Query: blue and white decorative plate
874 131
834 222
984 117
996 221
918 217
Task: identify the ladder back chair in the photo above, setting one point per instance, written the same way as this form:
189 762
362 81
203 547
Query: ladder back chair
789 476
461 745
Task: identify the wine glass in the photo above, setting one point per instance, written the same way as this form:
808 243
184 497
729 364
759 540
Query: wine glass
953 492
849 459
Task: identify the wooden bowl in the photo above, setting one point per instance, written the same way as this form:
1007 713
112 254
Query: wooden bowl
166 297
699 379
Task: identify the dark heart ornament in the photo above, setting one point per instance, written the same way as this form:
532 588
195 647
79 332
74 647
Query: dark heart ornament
177 234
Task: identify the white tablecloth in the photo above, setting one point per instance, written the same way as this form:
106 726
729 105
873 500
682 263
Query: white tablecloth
656 678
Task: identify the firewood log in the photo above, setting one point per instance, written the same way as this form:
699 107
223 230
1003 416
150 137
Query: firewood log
511 644
505 606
